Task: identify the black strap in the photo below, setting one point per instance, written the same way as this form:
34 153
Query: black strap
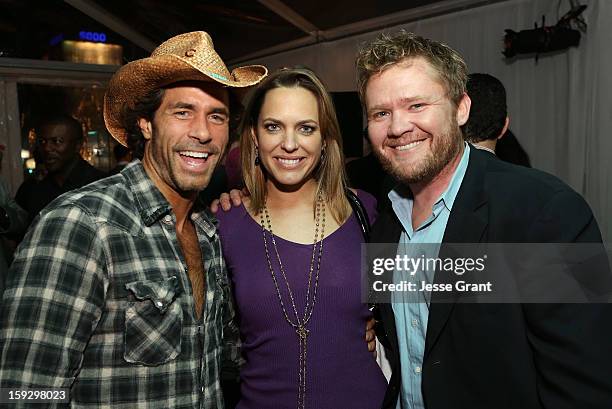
360 213
364 222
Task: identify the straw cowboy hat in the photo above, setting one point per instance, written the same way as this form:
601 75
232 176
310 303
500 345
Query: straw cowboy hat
186 57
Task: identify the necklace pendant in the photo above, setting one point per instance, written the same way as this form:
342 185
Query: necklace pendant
302 332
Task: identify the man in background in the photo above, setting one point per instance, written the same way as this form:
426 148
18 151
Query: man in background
488 119
61 140
487 126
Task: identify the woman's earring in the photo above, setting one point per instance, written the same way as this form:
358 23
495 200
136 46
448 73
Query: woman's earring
322 154
256 156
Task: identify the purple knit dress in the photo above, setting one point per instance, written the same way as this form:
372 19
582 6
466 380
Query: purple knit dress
341 373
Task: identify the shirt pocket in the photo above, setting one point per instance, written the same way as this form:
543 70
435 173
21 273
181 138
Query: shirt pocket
153 323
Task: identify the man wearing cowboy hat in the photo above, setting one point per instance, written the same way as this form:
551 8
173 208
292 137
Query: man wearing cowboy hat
118 295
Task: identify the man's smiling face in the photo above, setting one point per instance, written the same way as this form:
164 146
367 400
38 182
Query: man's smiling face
412 122
187 136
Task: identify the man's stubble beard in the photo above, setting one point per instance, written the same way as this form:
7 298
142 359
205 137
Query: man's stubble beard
444 148
168 170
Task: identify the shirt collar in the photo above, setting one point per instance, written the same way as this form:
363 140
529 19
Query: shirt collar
450 194
484 148
402 193
152 205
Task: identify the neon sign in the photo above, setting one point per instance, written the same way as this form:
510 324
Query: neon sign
92 36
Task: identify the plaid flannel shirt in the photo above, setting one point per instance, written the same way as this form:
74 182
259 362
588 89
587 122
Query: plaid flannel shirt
98 300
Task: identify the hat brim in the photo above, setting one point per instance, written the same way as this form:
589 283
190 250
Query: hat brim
138 78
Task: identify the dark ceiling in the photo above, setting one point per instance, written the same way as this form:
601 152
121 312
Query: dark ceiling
239 28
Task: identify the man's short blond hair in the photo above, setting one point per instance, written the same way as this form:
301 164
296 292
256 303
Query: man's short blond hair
387 50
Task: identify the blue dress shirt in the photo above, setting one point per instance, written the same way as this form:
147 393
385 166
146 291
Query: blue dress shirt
411 308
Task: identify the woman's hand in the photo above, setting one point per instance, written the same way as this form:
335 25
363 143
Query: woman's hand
226 200
370 336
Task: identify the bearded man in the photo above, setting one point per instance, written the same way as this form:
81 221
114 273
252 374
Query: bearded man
464 355
118 296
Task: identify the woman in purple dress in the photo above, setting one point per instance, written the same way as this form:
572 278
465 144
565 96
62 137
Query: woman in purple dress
293 253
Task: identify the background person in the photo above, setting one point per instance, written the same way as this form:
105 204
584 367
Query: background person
510 150
488 120
487 126
61 139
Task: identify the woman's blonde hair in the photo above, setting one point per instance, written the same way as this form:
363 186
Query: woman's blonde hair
330 174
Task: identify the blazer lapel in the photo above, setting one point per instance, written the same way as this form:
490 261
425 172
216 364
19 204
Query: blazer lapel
467 224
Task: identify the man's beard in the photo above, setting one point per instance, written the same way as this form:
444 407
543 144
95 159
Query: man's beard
444 148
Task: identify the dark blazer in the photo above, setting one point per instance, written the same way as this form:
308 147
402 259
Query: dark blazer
496 356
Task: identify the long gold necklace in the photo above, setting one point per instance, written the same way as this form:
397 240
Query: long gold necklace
300 323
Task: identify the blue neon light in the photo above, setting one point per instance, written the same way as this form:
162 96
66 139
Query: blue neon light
92 36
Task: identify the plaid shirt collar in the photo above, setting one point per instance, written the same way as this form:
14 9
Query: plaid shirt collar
152 205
